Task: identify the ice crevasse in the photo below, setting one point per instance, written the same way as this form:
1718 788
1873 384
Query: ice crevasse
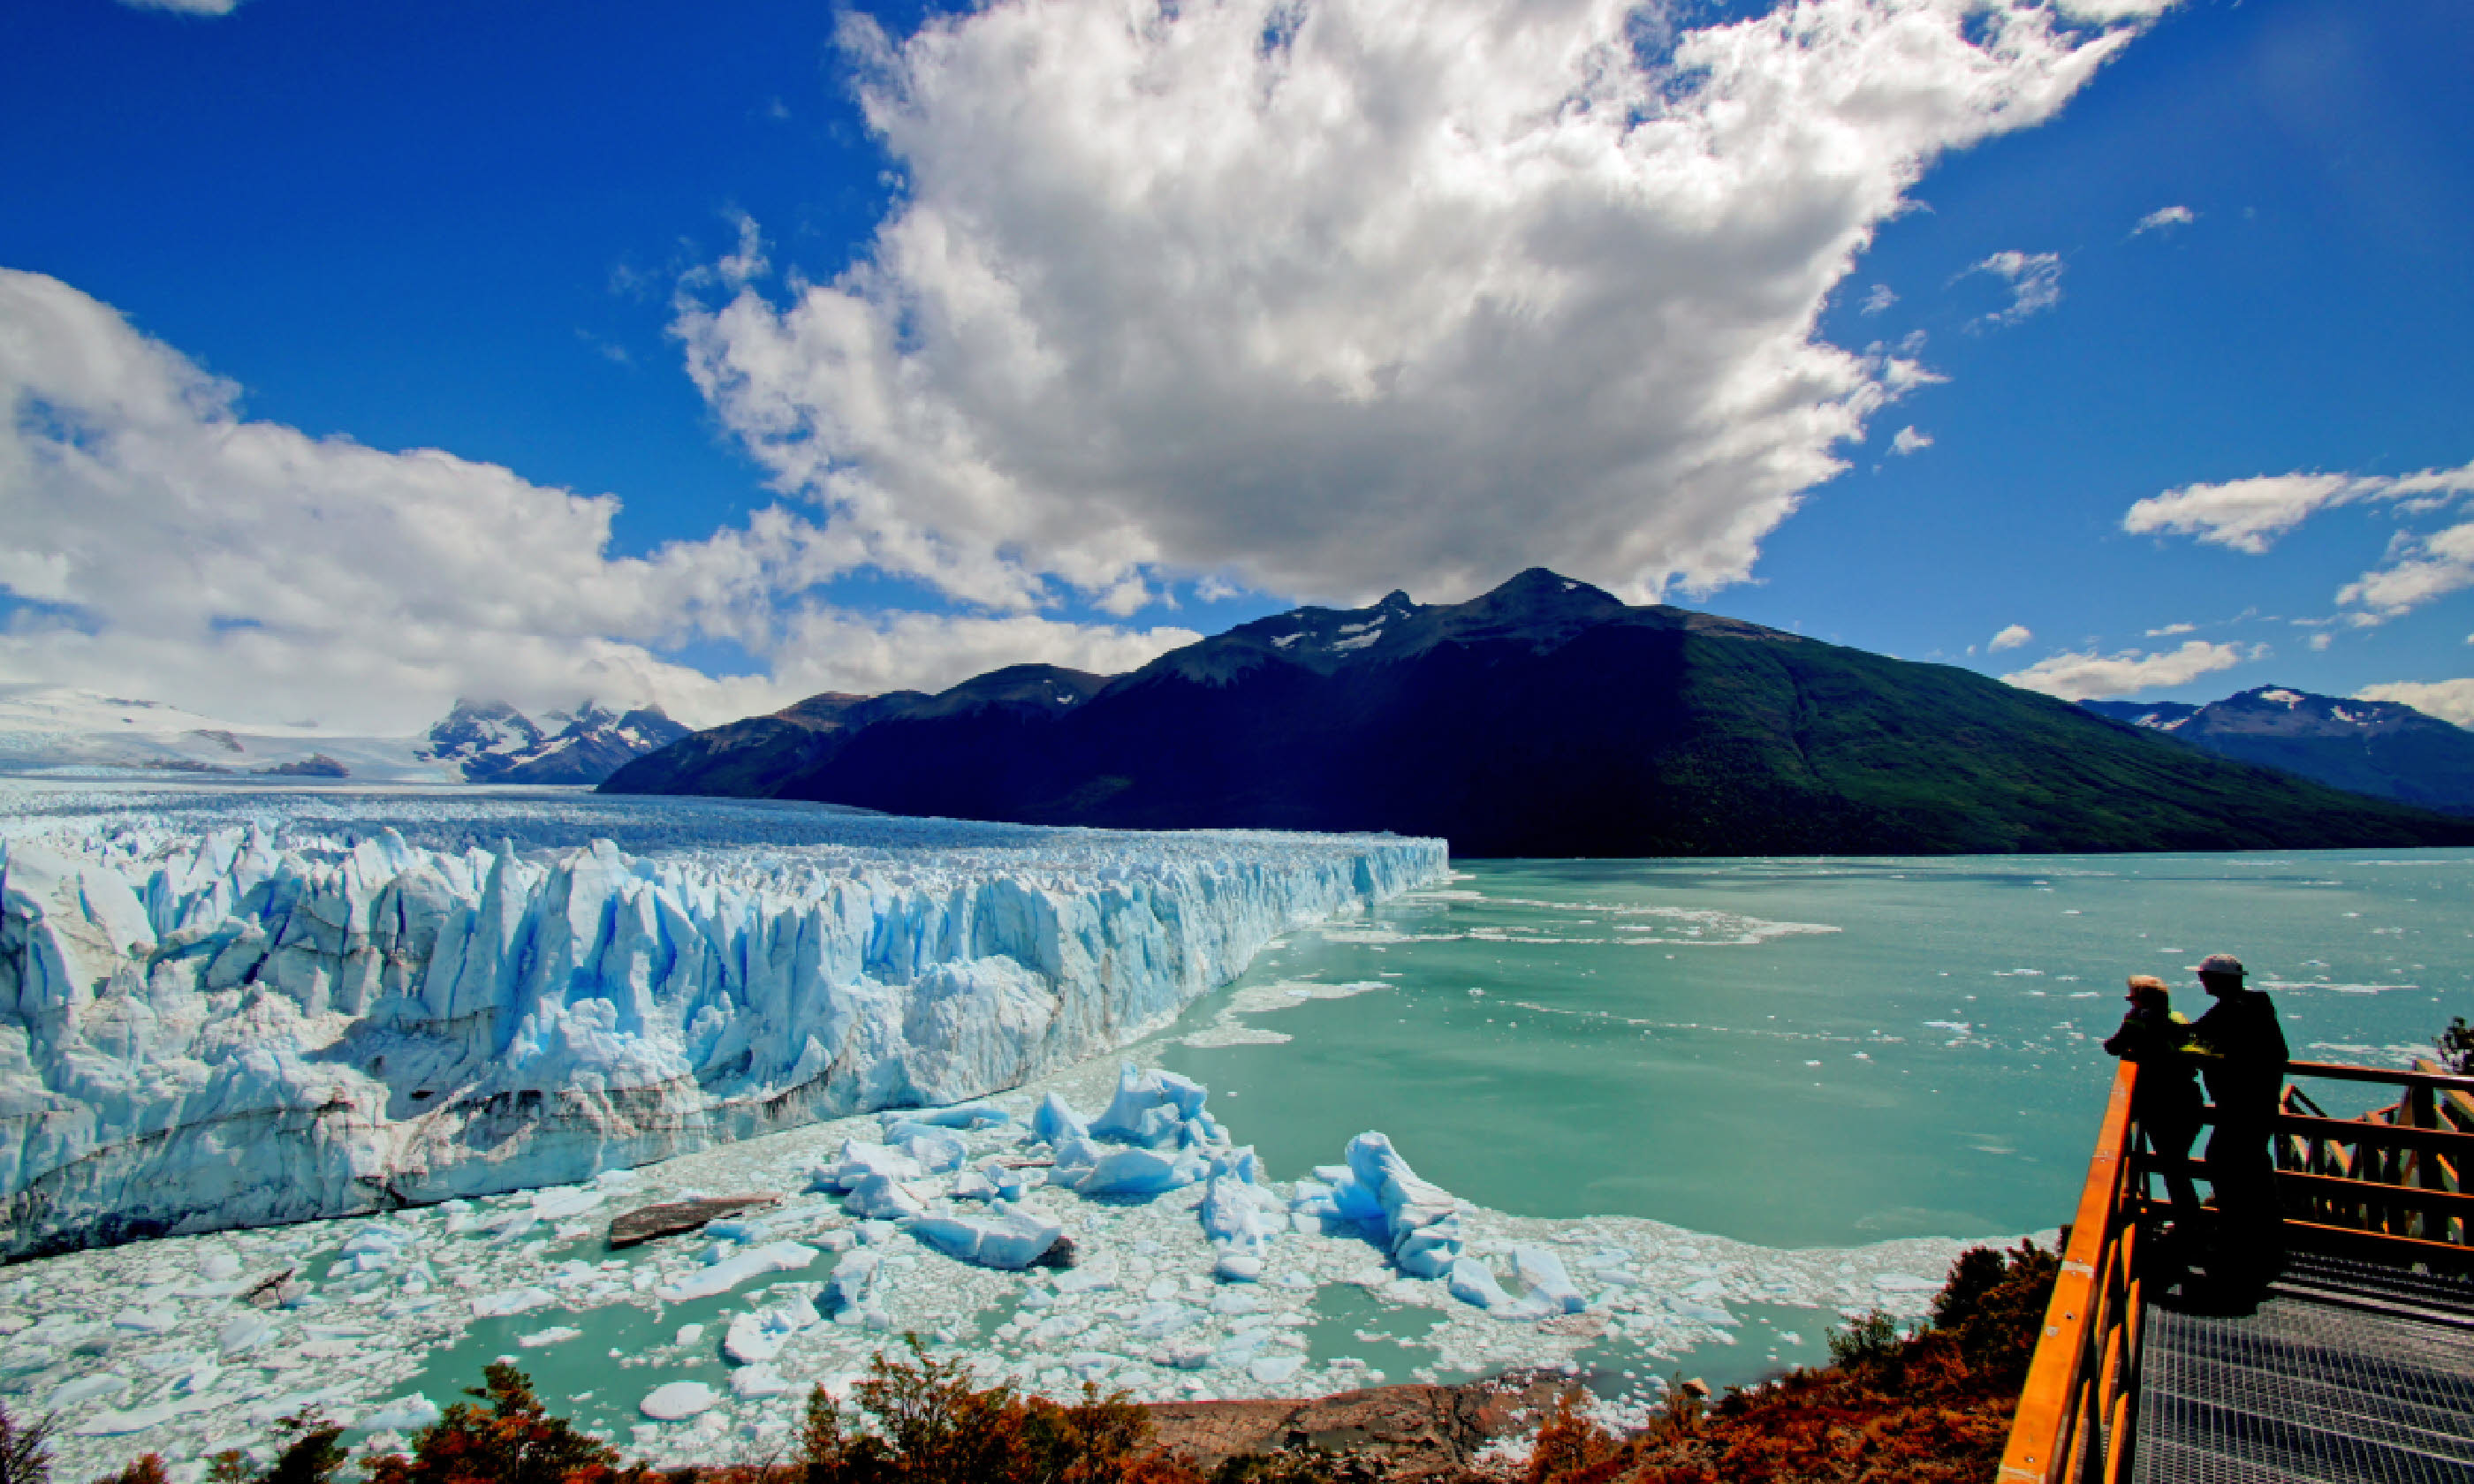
233 1014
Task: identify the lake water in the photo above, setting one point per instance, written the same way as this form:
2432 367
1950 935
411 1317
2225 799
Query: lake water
1741 1099
1798 1052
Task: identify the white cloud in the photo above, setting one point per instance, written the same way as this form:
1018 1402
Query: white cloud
185 6
2035 280
1910 440
172 549
1878 300
2170 630
2451 701
2085 677
2249 515
2420 570
2163 217
1384 292
2010 637
2320 642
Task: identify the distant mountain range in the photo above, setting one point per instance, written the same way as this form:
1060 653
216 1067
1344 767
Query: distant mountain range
2381 748
491 742
1544 718
53 729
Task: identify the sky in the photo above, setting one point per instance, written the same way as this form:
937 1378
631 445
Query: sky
362 356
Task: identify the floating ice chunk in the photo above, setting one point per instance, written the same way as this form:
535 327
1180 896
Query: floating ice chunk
1419 1220
1234 1301
1139 1172
1237 1266
1099 1278
1272 1370
549 1336
1013 1239
147 1321
560 1205
882 1198
860 1159
846 1291
965 1116
1153 1109
85 1388
218 1267
1548 1286
688 1334
1157 1321
1470 1282
723 1277
757 1381
243 1332
512 1301
935 1150
1056 1121
677 1400
401 1415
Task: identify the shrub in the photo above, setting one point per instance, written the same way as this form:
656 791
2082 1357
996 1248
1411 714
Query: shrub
2456 1046
25 1450
144 1468
1868 1341
513 1441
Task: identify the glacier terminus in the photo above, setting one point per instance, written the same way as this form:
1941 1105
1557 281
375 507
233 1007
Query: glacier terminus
224 1008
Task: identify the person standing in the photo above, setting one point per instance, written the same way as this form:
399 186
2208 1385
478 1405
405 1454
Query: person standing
2165 1102
2241 1050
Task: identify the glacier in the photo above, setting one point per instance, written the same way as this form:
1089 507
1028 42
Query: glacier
225 1007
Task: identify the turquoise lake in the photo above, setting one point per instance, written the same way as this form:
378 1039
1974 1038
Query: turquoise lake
1810 1052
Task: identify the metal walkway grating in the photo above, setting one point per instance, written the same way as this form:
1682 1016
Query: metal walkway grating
2343 1371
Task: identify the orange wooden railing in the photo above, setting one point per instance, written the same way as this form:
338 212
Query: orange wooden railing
2388 1181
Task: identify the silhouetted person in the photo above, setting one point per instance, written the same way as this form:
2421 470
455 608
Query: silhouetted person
2167 1099
2240 1049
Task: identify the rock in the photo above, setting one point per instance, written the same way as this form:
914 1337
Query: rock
646 1224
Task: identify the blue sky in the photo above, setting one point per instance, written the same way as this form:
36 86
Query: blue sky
771 348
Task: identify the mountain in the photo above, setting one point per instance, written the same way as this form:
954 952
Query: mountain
491 742
1544 718
51 728
2381 748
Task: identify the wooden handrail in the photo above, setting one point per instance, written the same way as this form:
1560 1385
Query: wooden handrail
2339 1072
2395 1136
2052 1414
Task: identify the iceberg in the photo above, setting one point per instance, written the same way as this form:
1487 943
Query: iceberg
1012 1239
1418 1221
730 1272
407 1000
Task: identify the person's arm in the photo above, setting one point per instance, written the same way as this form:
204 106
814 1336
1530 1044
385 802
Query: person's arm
2122 1040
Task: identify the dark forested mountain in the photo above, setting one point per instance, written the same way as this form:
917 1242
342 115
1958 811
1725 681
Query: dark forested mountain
2380 748
1544 718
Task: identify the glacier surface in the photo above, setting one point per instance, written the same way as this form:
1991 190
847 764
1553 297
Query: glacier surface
228 1008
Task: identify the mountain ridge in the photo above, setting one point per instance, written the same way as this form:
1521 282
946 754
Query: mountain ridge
1544 717
2384 749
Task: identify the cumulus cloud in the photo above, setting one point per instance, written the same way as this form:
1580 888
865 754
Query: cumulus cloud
2088 676
1336 297
2451 701
2163 217
2250 515
161 544
2010 637
1909 441
2035 280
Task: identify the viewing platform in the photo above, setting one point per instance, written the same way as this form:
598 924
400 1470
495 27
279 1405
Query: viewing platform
2335 1346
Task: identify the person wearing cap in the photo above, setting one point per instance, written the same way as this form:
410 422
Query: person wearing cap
2241 1050
2165 1102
